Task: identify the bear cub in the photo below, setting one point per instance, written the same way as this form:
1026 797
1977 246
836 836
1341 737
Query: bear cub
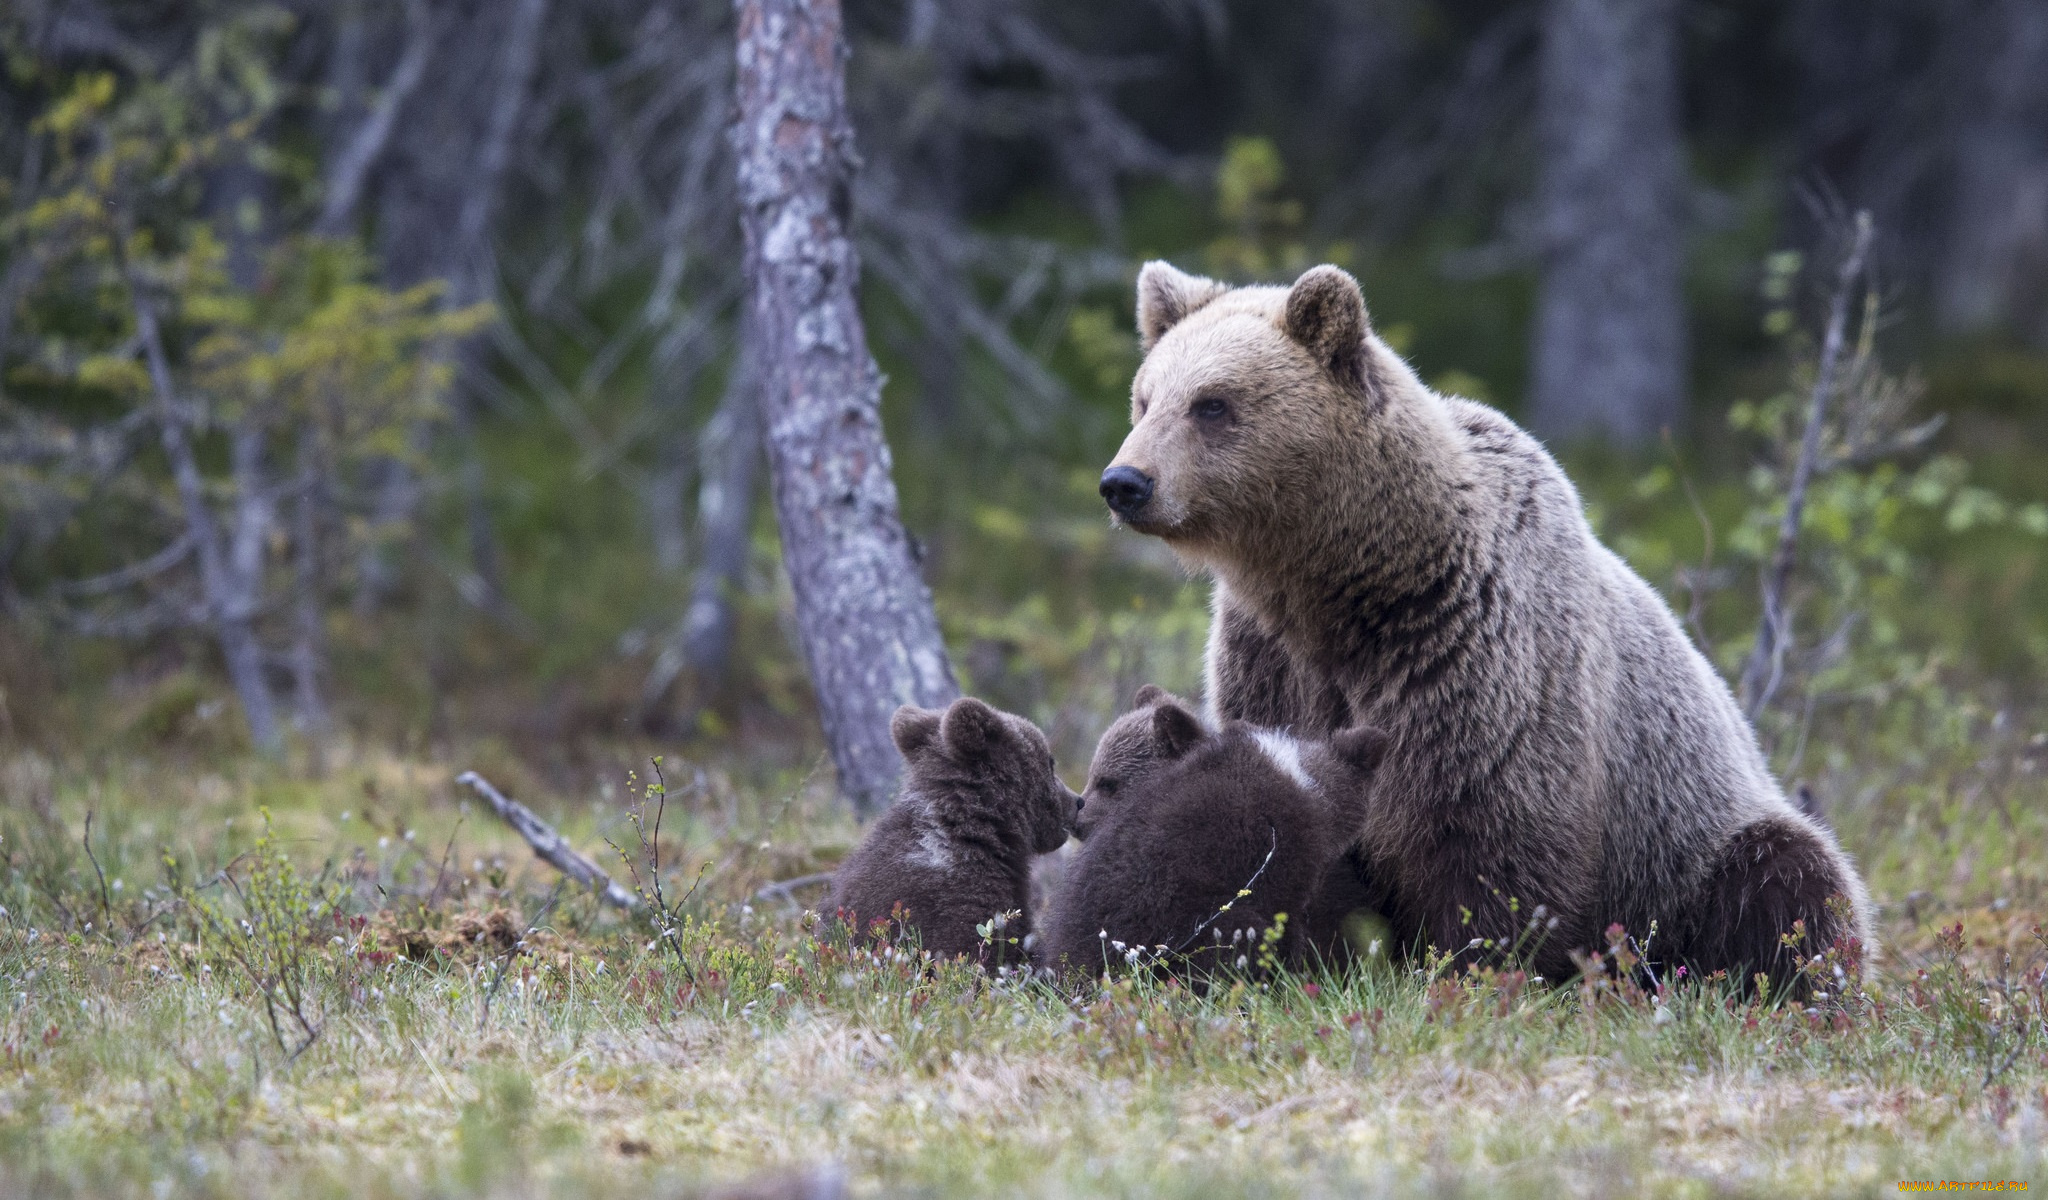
980 798
1178 819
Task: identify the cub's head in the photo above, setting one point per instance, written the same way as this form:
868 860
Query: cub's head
1159 731
973 751
1242 404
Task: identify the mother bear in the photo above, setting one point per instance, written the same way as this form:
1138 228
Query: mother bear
1385 554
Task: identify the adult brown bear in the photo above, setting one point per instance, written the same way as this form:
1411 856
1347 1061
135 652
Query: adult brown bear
1389 556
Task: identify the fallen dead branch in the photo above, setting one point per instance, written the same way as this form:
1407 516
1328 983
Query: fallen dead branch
550 846
786 889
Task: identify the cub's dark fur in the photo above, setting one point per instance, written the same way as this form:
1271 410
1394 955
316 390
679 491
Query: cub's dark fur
1179 819
980 798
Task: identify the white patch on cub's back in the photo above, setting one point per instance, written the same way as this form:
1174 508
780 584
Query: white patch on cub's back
933 850
1285 755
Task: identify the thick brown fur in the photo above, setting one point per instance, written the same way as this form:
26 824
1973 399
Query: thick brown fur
1388 555
1158 730
980 798
1194 817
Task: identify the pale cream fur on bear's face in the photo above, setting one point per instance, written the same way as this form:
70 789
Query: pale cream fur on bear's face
1231 418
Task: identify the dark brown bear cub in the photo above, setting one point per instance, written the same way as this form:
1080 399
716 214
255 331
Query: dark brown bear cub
1181 820
979 799
1129 752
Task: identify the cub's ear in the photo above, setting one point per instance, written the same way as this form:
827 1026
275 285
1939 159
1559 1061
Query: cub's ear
969 727
1150 695
1177 729
1326 314
1361 748
914 729
1165 298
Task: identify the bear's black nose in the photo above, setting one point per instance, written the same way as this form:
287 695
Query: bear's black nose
1126 488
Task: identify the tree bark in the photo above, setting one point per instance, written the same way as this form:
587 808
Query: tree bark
869 633
1609 352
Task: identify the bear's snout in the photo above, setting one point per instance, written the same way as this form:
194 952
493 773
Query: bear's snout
1127 489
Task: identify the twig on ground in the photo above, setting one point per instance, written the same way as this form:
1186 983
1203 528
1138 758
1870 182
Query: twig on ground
106 897
441 873
1761 674
786 888
550 846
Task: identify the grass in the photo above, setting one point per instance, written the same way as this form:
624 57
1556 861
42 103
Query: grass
481 1033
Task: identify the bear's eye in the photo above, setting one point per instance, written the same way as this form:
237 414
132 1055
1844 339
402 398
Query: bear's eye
1210 408
1105 787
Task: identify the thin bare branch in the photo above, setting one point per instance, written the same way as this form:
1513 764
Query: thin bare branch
352 166
551 847
1765 668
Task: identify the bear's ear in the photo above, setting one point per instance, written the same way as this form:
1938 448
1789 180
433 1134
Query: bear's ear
1326 314
1177 729
1149 696
1361 748
969 727
914 729
1165 298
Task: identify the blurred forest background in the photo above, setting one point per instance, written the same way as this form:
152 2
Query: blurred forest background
370 370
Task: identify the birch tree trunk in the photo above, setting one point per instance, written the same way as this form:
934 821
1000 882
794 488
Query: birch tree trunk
869 633
1609 352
